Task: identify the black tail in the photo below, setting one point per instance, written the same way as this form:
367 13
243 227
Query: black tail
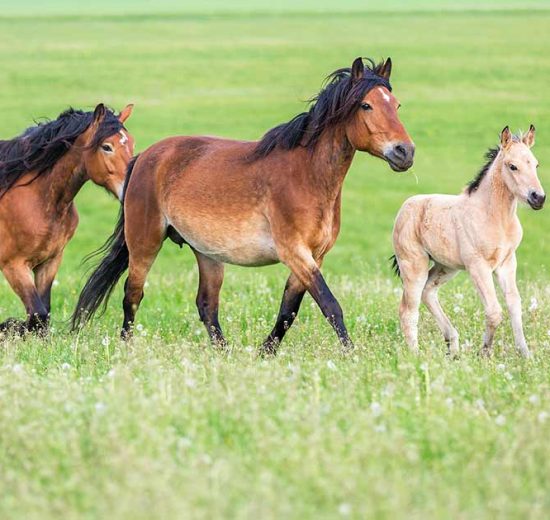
103 280
395 266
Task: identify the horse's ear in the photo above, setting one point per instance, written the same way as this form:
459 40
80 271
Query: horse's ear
385 69
126 113
505 137
529 138
99 113
357 69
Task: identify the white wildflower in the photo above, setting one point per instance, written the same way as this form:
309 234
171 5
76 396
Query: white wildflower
500 420
376 409
99 407
331 365
344 509
139 327
542 417
534 305
105 341
65 367
534 399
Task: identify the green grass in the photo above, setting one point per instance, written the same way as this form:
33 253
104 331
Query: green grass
164 427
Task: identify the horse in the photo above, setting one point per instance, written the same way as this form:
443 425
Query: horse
253 203
478 231
41 171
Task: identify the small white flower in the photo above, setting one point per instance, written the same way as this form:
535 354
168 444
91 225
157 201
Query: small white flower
542 417
457 309
99 407
459 296
65 367
105 341
534 305
344 509
508 376
480 404
111 373
380 428
534 399
376 409
55 283
449 402
17 368
424 367
146 284
331 365
500 420
190 382
501 367
139 327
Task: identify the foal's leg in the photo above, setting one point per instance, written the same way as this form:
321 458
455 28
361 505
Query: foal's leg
414 273
290 305
506 275
300 261
208 297
438 276
482 276
20 278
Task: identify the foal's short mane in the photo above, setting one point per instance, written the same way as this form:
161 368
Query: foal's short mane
39 147
490 156
339 98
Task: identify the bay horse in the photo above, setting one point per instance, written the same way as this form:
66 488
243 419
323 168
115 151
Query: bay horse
477 231
253 203
41 171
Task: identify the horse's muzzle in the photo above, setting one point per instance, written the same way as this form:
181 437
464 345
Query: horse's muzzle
536 200
400 157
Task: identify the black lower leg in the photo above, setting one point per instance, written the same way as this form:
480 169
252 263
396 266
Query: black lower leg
330 308
129 305
208 314
290 305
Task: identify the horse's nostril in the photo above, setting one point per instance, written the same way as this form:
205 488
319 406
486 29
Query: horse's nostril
400 151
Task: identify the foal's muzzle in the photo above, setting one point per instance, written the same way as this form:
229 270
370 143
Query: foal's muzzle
400 156
536 200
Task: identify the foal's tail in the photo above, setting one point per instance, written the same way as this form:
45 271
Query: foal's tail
395 265
103 280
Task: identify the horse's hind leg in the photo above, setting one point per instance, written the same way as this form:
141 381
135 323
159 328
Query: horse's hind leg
414 273
20 278
290 305
438 276
208 297
144 243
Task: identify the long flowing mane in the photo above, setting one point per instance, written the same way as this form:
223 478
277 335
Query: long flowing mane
337 101
39 147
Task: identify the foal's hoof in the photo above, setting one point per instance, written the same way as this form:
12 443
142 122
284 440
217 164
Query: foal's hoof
269 348
485 352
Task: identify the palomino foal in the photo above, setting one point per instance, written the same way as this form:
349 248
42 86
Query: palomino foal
478 231
253 203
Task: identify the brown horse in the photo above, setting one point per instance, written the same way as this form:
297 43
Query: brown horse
41 171
253 203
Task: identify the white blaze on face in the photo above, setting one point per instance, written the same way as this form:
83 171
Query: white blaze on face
124 138
387 98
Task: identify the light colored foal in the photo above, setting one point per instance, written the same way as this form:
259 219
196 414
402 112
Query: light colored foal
478 231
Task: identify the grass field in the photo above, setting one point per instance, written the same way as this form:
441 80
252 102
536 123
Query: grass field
164 427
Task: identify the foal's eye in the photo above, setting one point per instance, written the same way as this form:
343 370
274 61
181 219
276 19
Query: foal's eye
107 148
366 106
513 167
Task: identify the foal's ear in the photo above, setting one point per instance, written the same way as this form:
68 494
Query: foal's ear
528 139
357 69
126 113
385 69
505 137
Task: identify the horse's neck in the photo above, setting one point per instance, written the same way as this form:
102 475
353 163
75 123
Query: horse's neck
330 162
64 180
499 200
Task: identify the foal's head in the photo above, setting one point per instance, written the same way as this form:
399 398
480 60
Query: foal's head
108 149
375 127
519 167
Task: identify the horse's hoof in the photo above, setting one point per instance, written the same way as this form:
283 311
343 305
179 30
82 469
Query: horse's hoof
485 352
13 326
269 348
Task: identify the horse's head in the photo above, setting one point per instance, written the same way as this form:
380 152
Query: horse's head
109 148
519 167
375 127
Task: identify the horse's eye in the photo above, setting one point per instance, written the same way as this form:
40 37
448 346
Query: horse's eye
107 148
513 167
366 106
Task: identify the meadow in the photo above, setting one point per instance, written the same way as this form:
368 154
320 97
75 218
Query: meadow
165 427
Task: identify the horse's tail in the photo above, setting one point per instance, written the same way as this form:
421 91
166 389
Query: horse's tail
395 265
103 280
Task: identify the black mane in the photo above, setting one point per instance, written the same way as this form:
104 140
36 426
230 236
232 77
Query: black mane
340 97
490 156
39 147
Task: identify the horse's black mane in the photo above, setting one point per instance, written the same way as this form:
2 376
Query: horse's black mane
39 147
340 97
490 156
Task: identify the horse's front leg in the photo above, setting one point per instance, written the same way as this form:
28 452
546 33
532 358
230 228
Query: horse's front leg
482 277
290 305
300 260
506 275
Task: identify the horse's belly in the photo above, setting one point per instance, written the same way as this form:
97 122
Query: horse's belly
242 243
